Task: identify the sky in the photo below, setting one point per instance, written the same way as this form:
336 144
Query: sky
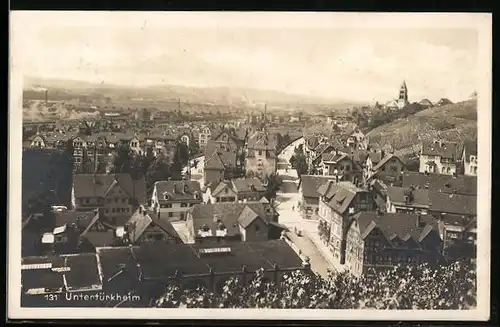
349 62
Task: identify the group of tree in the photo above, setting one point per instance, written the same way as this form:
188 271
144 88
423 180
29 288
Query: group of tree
370 118
282 141
299 161
448 287
152 168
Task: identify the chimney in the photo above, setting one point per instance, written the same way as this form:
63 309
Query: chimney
420 222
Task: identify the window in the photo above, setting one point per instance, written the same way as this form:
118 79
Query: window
170 214
260 152
347 167
257 228
383 168
113 210
113 220
169 205
182 216
124 200
475 170
183 205
87 200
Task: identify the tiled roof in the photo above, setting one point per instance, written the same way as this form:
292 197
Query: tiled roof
470 148
447 150
400 225
311 183
339 196
81 219
97 185
453 203
248 185
178 191
441 183
385 160
83 273
228 213
418 197
227 154
262 141
160 260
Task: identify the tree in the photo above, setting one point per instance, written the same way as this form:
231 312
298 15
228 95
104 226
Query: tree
194 148
448 287
299 163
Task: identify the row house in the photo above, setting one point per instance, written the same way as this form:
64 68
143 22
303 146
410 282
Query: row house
469 158
337 204
309 196
261 157
439 157
115 196
456 213
172 199
384 240
236 190
245 222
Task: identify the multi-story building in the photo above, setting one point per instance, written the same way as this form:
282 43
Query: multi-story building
116 196
251 221
172 199
357 140
469 158
383 240
309 196
261 158
236 190
338 202
389 169
204 135
439 157
342 166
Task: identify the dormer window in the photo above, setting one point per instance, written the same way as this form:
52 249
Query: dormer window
166 196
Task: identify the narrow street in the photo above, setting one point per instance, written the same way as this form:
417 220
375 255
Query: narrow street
309 242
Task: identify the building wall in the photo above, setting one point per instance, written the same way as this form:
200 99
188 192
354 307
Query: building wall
442 166
392 170
354 250
174 210
256 231
260 165
470 166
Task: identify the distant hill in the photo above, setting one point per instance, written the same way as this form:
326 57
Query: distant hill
215 95
454 122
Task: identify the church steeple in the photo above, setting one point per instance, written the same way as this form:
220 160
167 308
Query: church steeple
403 95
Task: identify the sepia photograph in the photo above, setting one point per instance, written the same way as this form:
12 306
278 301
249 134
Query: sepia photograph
296 165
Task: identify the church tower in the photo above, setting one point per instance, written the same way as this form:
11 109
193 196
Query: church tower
403 96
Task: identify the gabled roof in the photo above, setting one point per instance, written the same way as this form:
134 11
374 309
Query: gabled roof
311 183
470 148
457 204
97 185
462 184
247 217
449 150
214 162
226 153
178 190
262 141
386 160
228 213
339 196
248 185
418 198
403 226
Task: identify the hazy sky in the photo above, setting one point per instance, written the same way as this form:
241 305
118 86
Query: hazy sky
365 64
